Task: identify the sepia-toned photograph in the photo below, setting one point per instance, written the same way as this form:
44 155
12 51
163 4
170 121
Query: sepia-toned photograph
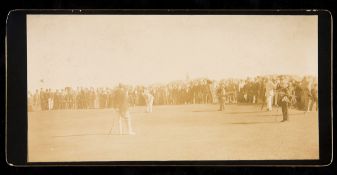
172 87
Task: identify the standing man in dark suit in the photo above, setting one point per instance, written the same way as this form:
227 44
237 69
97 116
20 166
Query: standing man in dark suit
284 99
305 93
314 97
122 105
221 92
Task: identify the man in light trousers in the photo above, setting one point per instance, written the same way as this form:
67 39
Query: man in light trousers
270 86
149 101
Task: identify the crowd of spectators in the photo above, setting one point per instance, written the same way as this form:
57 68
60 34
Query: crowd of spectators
198 91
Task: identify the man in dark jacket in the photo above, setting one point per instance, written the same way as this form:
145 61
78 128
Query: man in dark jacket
305 95
314 97
122 106
284 99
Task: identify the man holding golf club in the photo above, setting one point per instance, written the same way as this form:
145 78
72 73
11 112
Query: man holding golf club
122 107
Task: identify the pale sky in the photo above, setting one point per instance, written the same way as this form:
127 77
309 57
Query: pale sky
103 50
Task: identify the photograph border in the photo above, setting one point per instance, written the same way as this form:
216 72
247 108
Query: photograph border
16 88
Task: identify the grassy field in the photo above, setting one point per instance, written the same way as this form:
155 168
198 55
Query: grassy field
182 132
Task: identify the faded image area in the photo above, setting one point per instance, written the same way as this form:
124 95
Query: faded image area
172 87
